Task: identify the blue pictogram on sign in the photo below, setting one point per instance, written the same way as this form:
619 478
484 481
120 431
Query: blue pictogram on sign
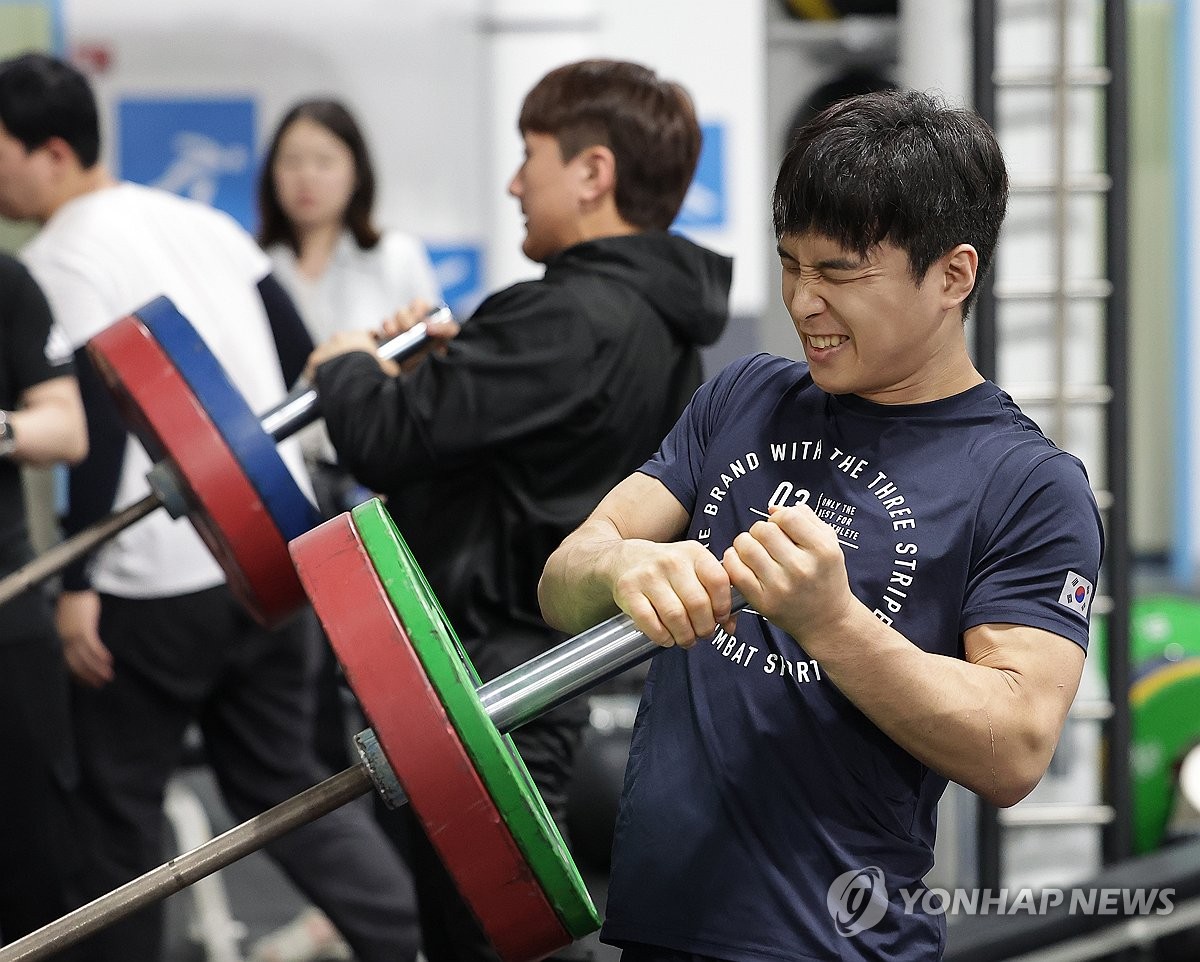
197 148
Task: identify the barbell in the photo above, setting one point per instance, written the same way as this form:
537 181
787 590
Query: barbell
438 741
216 461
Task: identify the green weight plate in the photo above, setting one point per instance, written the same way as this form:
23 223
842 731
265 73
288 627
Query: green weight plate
1164 657
1165 727
421 745
496 758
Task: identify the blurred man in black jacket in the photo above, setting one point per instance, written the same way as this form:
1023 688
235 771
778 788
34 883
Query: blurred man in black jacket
492 451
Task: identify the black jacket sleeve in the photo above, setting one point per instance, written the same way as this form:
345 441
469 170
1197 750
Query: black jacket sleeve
519 364
93 482
293 343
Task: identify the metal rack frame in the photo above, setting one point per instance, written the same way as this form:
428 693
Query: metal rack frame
1115 815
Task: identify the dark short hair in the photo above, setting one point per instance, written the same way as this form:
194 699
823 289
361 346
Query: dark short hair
334 116
43 97
648 123
900 167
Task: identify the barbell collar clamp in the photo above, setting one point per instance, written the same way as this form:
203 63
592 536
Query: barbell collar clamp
165 484
370 752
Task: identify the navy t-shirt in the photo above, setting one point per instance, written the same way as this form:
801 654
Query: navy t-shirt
753 784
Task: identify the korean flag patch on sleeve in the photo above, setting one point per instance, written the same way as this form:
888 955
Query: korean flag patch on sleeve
1077 593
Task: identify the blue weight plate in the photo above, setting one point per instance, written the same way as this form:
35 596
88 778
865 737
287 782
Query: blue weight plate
254 449
228 514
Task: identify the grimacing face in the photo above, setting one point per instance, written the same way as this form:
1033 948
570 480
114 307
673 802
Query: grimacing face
866 326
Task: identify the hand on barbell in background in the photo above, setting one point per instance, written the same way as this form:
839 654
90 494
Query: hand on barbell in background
343 342
77 618
441 331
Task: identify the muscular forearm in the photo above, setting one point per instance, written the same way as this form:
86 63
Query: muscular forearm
627 556
989 720
576 588
987 727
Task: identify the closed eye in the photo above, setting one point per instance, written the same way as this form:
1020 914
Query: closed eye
841 278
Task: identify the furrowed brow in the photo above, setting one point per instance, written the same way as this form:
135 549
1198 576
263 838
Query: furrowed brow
827 264
840 264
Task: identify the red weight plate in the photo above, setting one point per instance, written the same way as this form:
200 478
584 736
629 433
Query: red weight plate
241 428
223 506
422 746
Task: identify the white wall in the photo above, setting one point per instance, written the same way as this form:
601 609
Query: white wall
523 39
413 72
717 50
437 85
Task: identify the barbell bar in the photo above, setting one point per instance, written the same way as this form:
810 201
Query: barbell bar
508 701
156 363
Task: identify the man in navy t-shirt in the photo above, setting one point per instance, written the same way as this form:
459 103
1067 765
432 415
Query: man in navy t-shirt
918 558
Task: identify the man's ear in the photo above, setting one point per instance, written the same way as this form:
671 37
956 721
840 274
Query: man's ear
958 275
60 152
598 172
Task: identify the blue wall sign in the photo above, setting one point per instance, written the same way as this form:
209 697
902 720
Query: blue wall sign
459 270
705 203
197 148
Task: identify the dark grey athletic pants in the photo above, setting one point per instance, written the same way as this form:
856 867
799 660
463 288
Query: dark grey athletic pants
200 658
